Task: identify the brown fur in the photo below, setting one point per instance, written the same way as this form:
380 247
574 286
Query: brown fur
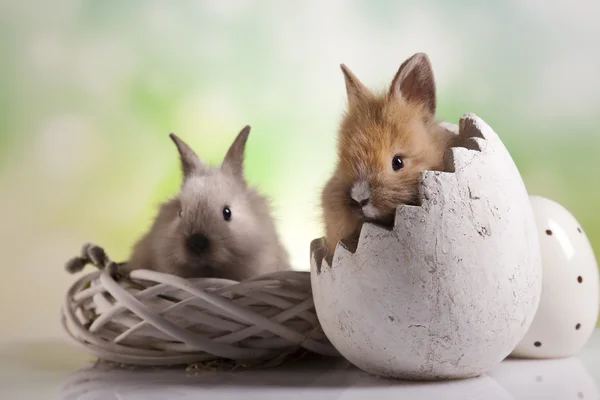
245 246
375 129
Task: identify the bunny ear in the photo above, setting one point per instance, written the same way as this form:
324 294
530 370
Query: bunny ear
190 163
355 90
234 159
414 82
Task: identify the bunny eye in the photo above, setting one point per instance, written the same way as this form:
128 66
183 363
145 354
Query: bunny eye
397 163
181 212
226 213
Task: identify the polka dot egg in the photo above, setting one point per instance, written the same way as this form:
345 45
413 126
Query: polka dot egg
570 301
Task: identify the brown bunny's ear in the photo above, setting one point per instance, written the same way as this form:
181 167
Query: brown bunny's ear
414 82
190 163
234 159
355 90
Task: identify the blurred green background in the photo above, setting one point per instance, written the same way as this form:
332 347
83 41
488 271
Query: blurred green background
89 91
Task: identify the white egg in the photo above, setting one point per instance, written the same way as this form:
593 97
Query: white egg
568 310
452 289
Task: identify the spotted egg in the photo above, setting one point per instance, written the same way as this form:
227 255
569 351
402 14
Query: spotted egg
570 302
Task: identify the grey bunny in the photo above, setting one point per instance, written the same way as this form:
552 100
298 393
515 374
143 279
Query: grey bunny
217 226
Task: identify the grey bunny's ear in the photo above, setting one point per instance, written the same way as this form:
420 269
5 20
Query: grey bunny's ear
234 159
355 90
190 163
414 82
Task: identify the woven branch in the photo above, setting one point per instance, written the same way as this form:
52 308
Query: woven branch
153 318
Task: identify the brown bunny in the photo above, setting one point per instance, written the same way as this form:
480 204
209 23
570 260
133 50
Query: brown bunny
217 226
384 143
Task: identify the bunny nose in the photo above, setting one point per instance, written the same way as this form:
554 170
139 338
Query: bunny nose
361 193
197 243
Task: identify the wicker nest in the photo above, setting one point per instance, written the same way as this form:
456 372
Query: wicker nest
152 318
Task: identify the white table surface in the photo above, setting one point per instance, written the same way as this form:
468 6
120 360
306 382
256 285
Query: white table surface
56 370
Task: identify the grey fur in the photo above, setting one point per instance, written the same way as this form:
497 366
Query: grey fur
243 247
190 163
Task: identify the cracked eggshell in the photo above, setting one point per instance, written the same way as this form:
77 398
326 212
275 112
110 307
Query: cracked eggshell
451 290
570 302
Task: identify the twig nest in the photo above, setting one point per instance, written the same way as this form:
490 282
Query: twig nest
453 287
161 319
568 310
